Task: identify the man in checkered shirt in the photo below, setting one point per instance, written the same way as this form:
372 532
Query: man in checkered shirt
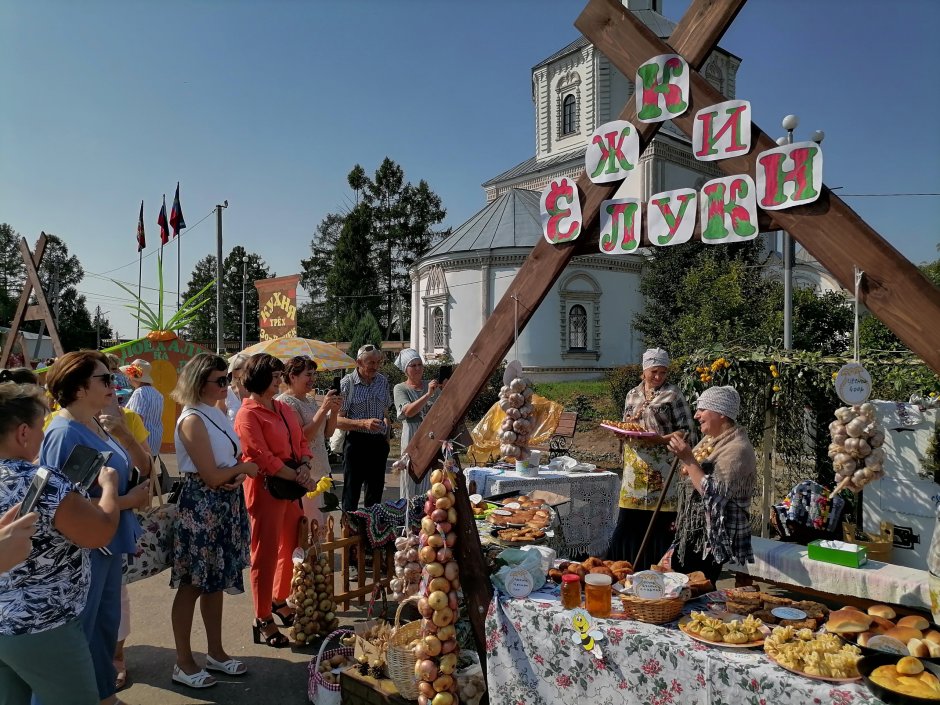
364 417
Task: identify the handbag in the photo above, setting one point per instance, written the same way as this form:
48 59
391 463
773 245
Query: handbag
155 545
282 488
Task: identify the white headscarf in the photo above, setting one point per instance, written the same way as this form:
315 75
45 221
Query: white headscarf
406 357
655 357
724 400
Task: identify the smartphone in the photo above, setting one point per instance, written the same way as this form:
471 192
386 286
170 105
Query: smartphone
444 372
83 465
34 492
335 386
134 479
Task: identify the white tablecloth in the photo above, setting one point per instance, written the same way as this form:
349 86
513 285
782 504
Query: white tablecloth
880 582
587 522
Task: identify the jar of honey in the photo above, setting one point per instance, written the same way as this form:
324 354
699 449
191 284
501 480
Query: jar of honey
570 591
597 594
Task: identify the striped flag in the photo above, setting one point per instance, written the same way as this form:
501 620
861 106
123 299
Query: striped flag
162 222
176 213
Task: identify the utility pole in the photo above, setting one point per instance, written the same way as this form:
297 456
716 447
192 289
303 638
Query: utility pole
219 345
97 327
244 279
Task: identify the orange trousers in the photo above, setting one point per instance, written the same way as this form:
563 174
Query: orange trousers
273 540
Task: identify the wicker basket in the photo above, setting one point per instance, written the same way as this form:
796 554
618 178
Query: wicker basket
319 692
659 611
399 659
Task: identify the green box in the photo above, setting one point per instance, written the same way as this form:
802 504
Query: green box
850 559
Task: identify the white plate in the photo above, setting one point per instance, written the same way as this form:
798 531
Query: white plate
788 613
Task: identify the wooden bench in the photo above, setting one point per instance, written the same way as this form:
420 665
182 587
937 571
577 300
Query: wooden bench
560 442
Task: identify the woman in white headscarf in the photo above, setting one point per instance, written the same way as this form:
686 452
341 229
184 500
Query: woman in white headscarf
413 399
657 406
718 480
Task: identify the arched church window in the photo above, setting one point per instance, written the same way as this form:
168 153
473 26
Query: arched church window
577 328
569 123
437 318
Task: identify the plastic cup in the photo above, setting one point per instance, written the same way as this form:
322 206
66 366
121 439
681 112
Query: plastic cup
597 594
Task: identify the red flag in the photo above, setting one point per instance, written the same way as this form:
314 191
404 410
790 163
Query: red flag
141 239
161 221
176 213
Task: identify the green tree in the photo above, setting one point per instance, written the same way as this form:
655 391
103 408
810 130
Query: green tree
203 327
12 272
76 324
315 319
366 331
350 286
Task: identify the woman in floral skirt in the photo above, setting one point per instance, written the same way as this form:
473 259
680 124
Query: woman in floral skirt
210 547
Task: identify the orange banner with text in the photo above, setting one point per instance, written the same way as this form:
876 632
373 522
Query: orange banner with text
277 307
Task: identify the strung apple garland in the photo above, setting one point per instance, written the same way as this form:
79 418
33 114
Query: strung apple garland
436 651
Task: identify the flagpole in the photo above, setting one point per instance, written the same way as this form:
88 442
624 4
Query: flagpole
140 270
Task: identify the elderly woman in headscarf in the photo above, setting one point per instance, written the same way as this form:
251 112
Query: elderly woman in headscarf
718 480
657 406
413 399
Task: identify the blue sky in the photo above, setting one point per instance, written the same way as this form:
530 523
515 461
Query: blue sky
270 104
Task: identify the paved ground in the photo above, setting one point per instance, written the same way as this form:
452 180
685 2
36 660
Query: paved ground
274 675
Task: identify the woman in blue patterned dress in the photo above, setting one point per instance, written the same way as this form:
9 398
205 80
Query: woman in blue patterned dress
210 546
42 648
80 383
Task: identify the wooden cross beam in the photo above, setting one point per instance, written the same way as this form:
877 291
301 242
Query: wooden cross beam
25 312
696 35
893 289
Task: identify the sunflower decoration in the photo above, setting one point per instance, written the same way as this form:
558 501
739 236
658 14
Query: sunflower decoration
330 500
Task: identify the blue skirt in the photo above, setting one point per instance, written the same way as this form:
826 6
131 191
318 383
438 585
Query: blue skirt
211 542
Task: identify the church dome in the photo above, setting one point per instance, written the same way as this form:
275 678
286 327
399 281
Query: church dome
512 220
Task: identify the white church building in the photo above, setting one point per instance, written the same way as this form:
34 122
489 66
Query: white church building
584 326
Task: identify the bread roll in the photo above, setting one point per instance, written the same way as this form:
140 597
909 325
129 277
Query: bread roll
880 625
918 648
910 666
904 634
933 636
864 637
933 649
915 621
848 621
849 607
882 611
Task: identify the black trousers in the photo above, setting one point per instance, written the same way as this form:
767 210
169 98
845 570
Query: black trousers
694 561
631 526
364 459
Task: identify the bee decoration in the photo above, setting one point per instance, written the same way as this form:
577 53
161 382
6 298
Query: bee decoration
586 633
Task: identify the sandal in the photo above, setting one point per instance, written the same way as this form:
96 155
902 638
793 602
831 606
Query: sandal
232 667
120 681
275 639
200 679
287 620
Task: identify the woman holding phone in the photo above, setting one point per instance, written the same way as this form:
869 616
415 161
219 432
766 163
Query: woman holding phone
413 399
81 385
210 545
42 649
317 422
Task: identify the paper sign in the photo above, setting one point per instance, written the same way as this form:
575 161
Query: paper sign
560 210
649 585
612 152
621 222
728 210
670 217
853 383
662 88
519 582
722 130
789 176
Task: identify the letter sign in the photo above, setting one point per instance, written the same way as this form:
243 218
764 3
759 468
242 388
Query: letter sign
613 152
560 209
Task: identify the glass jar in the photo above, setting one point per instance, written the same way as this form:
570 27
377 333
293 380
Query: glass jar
570 591
597 594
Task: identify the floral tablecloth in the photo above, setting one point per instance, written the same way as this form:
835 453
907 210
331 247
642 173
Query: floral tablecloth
534 657
587 522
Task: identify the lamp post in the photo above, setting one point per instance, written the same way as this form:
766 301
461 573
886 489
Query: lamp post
244 279
790 123
219 345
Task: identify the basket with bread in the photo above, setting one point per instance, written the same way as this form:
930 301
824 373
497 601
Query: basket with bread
904 680
881 630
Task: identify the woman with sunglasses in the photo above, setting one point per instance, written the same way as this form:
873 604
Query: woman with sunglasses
210 545
80 383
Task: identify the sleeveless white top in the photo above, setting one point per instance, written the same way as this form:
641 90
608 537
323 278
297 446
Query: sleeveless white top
226 448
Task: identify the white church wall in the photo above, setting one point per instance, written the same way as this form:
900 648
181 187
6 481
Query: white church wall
464 286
